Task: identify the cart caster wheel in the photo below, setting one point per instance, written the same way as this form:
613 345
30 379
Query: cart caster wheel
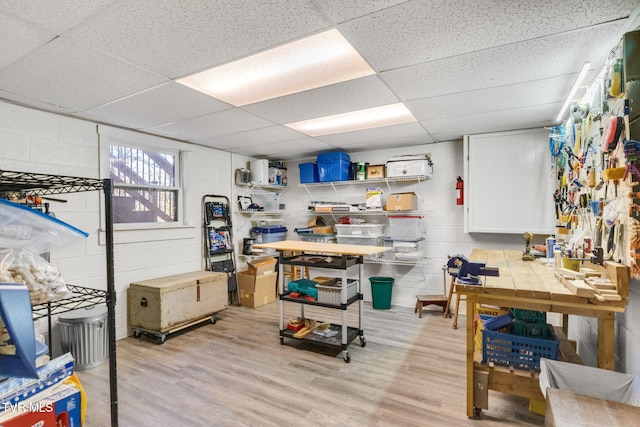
476 412
137 334
161 339
281 340
363 342
347 358
213 320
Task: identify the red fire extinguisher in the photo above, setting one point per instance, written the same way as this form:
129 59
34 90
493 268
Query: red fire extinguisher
460 191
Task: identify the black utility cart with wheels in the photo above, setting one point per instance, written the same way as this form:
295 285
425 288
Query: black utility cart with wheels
337 294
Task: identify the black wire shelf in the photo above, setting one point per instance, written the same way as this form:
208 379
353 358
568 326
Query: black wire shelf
82 298
32 184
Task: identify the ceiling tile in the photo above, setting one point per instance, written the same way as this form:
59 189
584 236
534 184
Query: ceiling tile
175 39
297 149
33 103
66 73
379 137
19 38
493 99
255 137
164 104
420 31
357 94
345 10
211 125
511 119
57 15
519 62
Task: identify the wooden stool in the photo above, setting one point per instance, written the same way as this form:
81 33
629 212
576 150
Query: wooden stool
422 300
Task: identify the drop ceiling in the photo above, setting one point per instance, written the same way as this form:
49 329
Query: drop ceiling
460 67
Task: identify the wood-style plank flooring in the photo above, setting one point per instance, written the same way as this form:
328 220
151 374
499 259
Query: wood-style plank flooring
235 373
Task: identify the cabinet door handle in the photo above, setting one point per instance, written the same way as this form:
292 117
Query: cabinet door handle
198 293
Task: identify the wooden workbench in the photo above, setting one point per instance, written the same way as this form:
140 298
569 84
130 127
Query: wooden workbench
530 285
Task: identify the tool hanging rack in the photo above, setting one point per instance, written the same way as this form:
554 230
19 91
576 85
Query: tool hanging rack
594 158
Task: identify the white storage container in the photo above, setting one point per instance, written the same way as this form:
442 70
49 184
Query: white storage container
331 294
405 227
359 229
417 165
260 171
377 240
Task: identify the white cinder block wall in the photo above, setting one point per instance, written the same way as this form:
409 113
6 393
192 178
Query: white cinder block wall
36 141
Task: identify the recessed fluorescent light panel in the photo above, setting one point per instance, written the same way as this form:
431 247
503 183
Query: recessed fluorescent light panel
316 61
386 115
574 89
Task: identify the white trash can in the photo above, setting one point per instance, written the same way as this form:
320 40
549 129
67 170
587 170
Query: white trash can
83 333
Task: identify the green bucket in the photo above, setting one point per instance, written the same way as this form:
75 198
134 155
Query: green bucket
381 292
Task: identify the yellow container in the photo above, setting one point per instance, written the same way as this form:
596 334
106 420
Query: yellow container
571 264
537 406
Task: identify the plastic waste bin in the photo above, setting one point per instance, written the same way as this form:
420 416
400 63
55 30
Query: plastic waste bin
381 288
83 333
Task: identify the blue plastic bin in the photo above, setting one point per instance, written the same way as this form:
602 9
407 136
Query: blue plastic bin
333 166
308 173
268 234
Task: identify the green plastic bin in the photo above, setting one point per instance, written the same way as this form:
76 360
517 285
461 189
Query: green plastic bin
381 288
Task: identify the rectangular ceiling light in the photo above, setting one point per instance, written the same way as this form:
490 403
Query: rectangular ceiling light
574 89
386 115
316 61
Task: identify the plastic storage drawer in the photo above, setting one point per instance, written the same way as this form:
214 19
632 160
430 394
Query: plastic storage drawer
269 234
308 173
333 166
362 240
359 229
331 294
405 227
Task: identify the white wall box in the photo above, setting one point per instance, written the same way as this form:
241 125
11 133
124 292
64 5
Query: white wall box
167 304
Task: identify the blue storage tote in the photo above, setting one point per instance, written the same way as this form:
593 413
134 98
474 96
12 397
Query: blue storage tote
268 234
333 166
308 173
517 351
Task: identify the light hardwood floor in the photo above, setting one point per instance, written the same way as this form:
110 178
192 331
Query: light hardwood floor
235 373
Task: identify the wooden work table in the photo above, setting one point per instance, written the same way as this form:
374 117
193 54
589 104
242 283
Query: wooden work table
531 285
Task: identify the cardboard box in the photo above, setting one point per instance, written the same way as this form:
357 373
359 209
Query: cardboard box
375 171
261 266
402 202
323 230
256 290
59 406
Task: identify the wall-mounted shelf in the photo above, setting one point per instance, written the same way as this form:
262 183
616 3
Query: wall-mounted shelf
413 178
262 188
261 213
367 213
422 262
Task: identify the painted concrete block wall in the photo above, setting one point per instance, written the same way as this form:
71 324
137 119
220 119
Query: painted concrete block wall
443 219
35 141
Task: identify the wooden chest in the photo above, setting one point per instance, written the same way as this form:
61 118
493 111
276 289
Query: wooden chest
169 303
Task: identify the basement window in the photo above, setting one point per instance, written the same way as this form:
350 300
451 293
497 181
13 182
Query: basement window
146 185
148 181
